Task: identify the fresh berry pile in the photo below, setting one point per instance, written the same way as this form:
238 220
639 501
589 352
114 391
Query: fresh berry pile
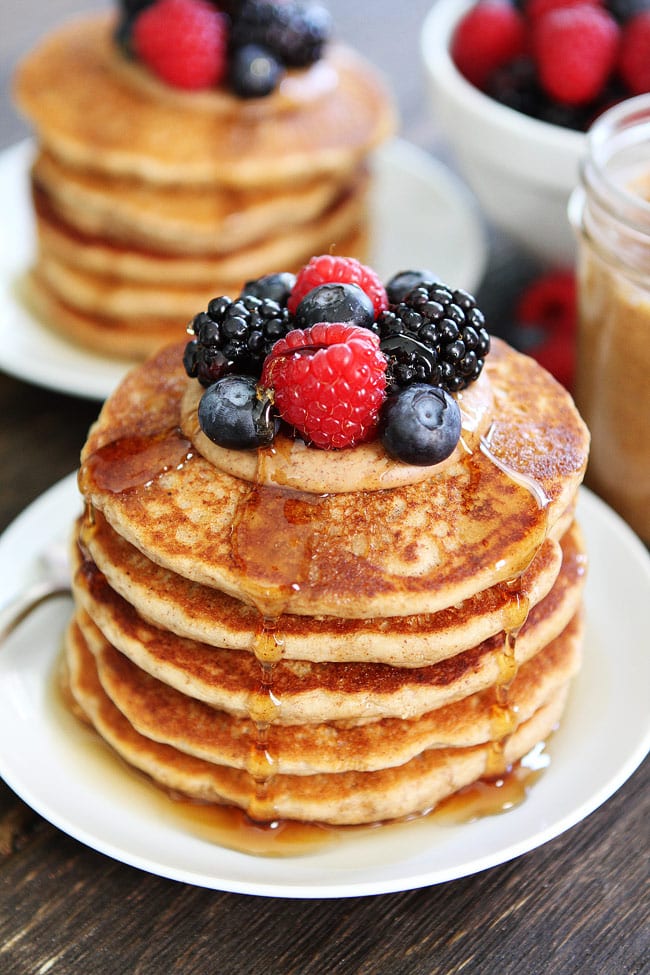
339 359
246 44
561 61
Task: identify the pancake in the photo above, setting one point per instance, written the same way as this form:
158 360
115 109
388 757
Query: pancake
163 714
139 228
92 109
111 291
299 553
207 615
178 219
339 798
306 692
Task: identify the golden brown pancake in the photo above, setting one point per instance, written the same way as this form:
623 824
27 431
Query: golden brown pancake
176 219
292 552
138 229
330 636
201 613
164 714
93 110
339 798
305 691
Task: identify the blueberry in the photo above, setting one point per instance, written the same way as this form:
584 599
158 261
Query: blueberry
421 425
253 72
404 281
231 414
278 287
335 302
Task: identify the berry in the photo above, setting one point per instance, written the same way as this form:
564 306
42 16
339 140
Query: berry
546 321
535 9
329 383
335 303
634 59
131 8
184 42
233 415
275 286
234 336
436 336
489 35
253 71
623 10
549 301
342 270
421 425
294 32
575 50
404 281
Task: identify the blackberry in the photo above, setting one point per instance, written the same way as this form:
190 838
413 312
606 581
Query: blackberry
623 10
234 336
294 32
435 335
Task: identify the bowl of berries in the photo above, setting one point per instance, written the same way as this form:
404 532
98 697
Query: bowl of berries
514 86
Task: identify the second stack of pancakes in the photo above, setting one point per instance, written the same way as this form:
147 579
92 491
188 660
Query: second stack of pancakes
149 200
342 639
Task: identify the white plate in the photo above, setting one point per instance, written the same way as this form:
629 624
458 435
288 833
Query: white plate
423 214
45 755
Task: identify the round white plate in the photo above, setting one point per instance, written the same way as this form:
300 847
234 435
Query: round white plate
424 217
45 758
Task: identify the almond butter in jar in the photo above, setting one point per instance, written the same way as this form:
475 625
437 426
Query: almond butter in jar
610 213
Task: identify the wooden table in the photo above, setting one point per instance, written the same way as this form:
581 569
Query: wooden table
576 905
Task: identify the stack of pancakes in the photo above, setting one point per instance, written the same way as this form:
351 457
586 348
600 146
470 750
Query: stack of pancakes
149 200
327 636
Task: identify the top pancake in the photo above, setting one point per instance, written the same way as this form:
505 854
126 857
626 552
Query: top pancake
95 110
416 548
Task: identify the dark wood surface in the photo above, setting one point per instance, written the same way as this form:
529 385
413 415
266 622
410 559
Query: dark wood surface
576 905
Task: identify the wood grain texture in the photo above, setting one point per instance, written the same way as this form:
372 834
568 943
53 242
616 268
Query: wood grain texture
576 906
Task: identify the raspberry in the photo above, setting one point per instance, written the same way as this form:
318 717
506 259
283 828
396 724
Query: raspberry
329 382
550 301
488 36
184 42
340 270
535 9
546 312
634 59
557 355
576 49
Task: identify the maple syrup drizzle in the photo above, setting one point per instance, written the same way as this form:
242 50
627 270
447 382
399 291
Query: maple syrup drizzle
134 462
504 716
271 539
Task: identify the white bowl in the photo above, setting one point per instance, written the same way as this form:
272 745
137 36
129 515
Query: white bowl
521 170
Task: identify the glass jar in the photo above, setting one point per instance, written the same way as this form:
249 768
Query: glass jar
610 213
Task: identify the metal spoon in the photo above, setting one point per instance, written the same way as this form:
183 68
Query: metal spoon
53 580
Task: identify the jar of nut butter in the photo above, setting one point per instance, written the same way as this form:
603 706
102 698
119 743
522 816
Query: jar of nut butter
610 212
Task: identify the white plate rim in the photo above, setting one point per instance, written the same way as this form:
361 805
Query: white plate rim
404 173
487 843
